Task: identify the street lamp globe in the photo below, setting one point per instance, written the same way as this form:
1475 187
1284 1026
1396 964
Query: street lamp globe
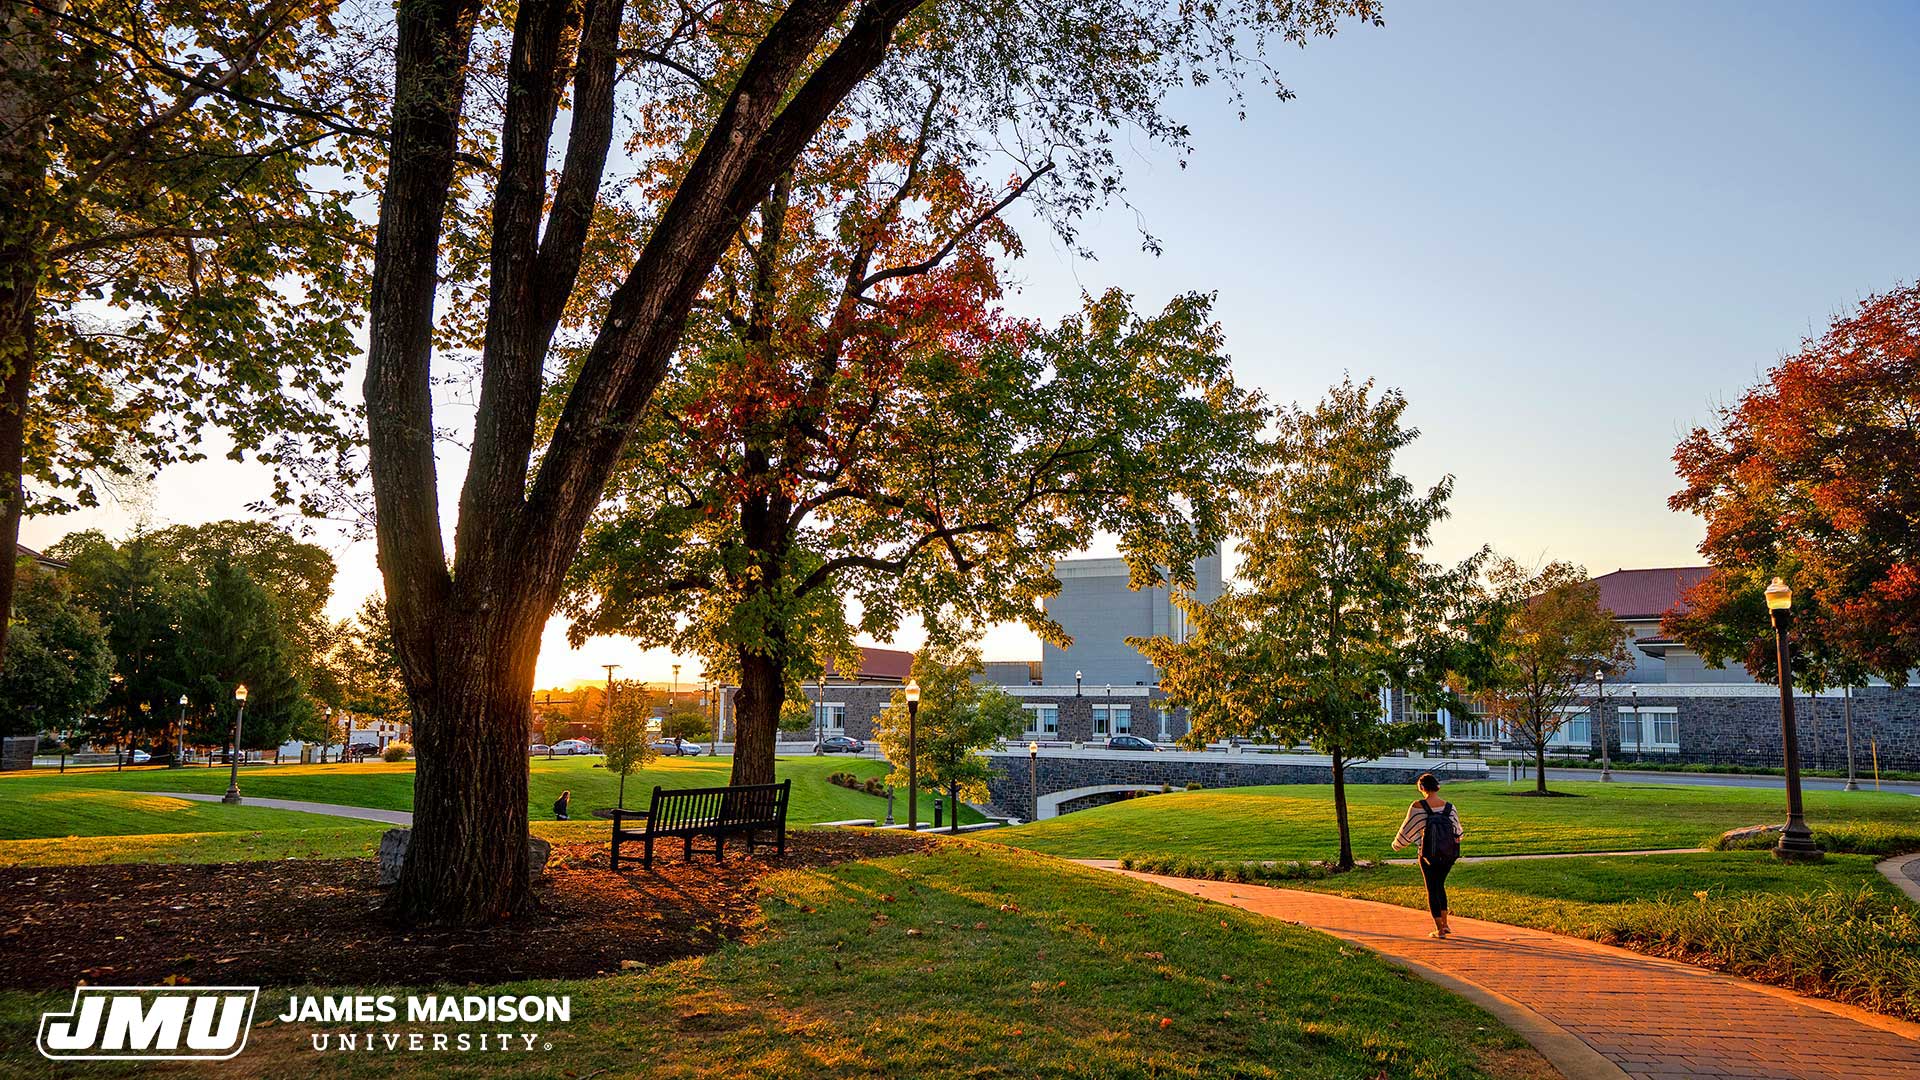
913 691
240 693
183 701
1779 596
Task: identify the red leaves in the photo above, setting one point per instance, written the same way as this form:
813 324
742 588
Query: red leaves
1815 475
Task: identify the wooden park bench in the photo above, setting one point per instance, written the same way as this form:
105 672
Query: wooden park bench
717 812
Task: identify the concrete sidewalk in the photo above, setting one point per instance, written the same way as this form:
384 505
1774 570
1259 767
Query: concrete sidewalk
391 817
1632 1015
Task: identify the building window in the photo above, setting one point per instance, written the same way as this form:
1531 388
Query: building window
830 716
1476 726
1112 719
1043 720
1576 729
1653 727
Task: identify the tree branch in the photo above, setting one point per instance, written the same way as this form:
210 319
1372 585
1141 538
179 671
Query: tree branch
953 241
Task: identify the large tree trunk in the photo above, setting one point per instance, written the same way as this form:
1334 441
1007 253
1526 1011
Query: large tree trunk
756 717
467 861
17 297
23 174
766 533
1340 808
467 629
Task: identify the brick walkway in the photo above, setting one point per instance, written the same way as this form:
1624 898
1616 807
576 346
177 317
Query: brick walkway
1655 1019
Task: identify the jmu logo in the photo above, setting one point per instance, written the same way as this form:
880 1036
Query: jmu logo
128 1023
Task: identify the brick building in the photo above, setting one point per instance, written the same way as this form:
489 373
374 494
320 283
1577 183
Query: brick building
1669 704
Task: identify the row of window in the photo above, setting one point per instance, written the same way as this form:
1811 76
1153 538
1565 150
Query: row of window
1653 727
1043 721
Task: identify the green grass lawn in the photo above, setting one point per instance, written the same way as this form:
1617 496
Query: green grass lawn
30 803
336 839
50 817
973 960
1836 928
1580 896
34 812
1296 821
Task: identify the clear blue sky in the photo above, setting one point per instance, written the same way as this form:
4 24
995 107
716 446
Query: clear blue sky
1567 232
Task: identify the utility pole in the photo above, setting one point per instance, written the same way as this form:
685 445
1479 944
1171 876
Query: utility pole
606 710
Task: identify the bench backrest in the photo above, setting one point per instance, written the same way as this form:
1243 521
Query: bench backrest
747 804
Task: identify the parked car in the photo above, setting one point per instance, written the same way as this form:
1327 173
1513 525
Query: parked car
573 746
361 751
678 748
538 749
1130 742
840 744
140 757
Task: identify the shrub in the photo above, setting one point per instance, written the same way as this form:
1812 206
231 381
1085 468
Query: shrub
1860 946
1847 838
1249 873
873 787
1194 785
396 751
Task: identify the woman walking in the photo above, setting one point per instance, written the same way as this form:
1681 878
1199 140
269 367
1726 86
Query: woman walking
1434 824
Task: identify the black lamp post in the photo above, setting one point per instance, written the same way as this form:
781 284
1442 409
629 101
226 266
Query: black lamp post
1639 728
1847 712
1796 842
180 737
1600 721
913 754
1076 684
1033 777
232 797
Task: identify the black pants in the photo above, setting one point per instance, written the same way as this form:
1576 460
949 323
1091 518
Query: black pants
1435 874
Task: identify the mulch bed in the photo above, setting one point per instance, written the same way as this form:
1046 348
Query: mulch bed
298 922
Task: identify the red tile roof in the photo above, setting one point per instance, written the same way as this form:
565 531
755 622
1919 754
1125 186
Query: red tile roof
1647 594
882 664
22 551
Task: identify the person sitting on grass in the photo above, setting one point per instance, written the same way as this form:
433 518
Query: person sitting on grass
560 806
1434 824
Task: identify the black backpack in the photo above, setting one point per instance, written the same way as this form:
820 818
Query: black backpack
1439 844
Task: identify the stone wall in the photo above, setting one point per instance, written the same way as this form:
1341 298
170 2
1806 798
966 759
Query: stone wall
1743 727
1065 770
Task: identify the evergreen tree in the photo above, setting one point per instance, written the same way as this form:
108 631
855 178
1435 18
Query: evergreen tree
232 637
58 665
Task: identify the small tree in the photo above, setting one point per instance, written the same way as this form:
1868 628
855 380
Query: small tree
1552 634
1337 604
553 727
59 660
624 736
958 716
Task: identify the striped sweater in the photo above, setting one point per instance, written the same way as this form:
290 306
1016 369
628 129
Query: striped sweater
1414 829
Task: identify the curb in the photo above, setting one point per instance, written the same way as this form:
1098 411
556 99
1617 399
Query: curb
1904 872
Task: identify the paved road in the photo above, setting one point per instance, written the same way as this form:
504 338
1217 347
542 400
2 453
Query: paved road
1597 1011
1718 780
367 813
